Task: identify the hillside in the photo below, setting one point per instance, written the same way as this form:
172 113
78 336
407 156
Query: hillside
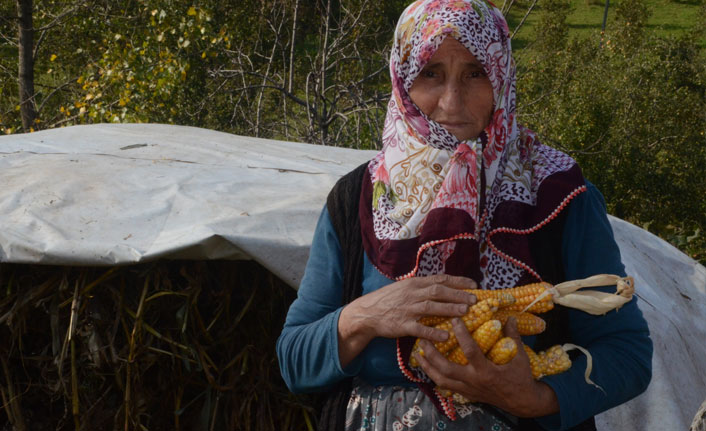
668 18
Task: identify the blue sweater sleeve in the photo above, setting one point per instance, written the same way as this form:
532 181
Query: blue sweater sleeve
307 348
618 341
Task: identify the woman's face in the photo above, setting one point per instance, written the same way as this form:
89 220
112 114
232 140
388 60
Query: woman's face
453 90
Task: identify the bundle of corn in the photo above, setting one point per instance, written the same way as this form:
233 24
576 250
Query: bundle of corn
486 319
168 345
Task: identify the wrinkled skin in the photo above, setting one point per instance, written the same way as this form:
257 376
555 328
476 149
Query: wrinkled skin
393 311
510 387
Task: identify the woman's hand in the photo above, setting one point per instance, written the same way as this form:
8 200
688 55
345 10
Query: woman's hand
510 387
394 310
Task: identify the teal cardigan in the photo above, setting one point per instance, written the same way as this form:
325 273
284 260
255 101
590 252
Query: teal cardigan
618 341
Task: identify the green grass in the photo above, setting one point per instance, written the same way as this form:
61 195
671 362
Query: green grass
668 18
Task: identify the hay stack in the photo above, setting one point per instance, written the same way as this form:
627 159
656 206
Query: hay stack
167 345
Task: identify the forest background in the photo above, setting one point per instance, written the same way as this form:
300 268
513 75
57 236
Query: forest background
627 102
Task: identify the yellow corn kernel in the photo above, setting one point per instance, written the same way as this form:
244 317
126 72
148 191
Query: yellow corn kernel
488 334
485 336
477 314
503 295
473 319
432 320
524 295
535 363
527 323
504 300
503 351
554 360
456 356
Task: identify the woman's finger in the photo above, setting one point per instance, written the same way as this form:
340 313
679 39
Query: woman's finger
510 330
434 308
432 362
469 347
453 281
437 367
442 293
428 333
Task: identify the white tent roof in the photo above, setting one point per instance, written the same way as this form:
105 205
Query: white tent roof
121 194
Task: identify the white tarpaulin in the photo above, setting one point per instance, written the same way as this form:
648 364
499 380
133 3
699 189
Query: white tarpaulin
121 194
671 290
118 194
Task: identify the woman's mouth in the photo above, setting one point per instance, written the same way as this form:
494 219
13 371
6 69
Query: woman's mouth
452 124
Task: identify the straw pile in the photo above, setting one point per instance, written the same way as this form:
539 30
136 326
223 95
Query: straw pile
168 345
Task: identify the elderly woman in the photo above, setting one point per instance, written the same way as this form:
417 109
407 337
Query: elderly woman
459 197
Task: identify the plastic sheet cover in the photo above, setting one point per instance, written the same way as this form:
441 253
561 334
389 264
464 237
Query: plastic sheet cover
123 194
120 194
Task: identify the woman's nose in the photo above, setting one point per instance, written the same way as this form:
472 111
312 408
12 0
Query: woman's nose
451 99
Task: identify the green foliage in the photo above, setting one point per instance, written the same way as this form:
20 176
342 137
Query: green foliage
631 17
667 18
154 65
630 108
552 31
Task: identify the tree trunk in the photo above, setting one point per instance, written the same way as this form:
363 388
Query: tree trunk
324 114
25 29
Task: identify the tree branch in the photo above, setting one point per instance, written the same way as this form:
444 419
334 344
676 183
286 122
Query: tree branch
59 88
523 19
55 21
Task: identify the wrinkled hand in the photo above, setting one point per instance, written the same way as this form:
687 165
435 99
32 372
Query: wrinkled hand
394 310
510 387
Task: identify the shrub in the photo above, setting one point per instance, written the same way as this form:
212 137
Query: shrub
629 106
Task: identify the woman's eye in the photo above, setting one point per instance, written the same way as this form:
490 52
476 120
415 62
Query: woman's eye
428 74
476 74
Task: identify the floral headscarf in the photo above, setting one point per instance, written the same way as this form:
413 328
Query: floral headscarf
433 204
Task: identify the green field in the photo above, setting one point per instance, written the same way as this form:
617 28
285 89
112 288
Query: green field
668 18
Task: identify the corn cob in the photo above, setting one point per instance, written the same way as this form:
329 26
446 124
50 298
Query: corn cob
432 320
546 363
527 323
505 299
456 355
477 314
485 336
556 360
505 296
524 295
535 363
503 351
